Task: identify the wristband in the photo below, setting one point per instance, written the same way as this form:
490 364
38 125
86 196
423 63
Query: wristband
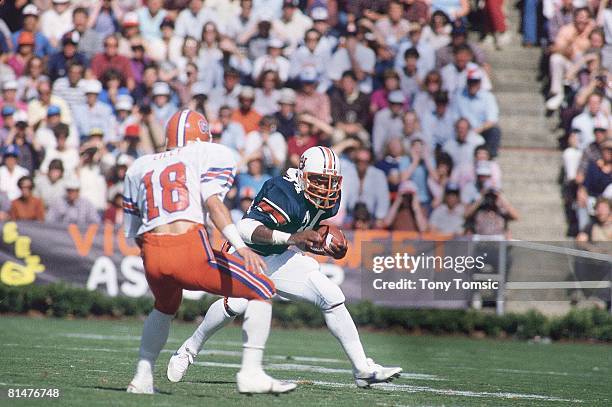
233 236
279 237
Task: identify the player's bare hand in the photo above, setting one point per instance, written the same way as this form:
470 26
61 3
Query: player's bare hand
306 239
335 251
252 261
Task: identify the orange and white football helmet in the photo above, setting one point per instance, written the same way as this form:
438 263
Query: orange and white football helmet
185 126
320 177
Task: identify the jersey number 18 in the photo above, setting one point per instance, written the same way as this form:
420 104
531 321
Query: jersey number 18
175 196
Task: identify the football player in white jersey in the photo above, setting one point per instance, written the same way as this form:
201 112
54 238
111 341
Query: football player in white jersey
167 197
281 217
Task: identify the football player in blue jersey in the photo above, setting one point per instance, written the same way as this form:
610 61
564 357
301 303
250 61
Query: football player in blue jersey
280 223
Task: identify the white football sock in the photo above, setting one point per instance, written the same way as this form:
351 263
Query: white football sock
255 331
154 337
341 325
216 318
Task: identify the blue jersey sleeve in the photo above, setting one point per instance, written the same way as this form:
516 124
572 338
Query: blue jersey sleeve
272 206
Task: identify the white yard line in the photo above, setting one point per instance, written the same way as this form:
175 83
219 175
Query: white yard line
538 372
446 392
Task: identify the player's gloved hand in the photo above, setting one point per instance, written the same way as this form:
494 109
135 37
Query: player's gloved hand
252 261
306 239
335 251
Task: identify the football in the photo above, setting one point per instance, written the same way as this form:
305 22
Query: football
331 234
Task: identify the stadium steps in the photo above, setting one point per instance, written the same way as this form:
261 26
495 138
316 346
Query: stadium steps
529 158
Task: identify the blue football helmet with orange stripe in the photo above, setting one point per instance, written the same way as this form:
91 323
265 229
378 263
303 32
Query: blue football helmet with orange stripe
185 126
320 177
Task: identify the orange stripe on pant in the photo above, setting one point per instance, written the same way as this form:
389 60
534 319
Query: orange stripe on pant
176 262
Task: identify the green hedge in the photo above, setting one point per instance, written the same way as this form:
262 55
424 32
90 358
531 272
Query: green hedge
62 300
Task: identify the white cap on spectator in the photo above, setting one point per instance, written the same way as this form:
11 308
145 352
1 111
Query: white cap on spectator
396 97
92 86
247 92
474 74
130 19
30 10
10 85
124 159
483 168
275 43
72 183
61 1
287 96
198 88
124 102
20 116
161 89
319 14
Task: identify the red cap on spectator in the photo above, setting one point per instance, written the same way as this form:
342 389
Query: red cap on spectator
25 38
133 130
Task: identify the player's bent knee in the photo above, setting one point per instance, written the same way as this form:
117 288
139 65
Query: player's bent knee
329 295
167 307
235 306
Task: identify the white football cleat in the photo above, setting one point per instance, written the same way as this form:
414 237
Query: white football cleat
179 363
136 387
260 382
376 374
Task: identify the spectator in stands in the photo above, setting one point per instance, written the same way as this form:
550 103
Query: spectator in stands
353 55
190 21
459 37
388 123
367 184
114 211
150 17
69 87
68 155
227 94
303 139
11 172
454 75
490 214
9 96
308 63
49 186
286 116
27 206
426 53
30 152
571 41
72 208
267 93
94 114
292 24
89 40
268 142
232 133
410 77
37 108
448 217
598 174
592 116
42 46
34 71
461 148
438 123
350 108
392 26
68 54
406 213
250 182
163 107
245 114
109 58
380 97
440 179
309 99
411 129
480 108
56 21
25 52
600 227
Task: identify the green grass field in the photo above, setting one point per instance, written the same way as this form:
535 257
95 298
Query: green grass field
92 361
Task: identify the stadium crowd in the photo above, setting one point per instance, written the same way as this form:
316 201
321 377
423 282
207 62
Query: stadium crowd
393 86
576 38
